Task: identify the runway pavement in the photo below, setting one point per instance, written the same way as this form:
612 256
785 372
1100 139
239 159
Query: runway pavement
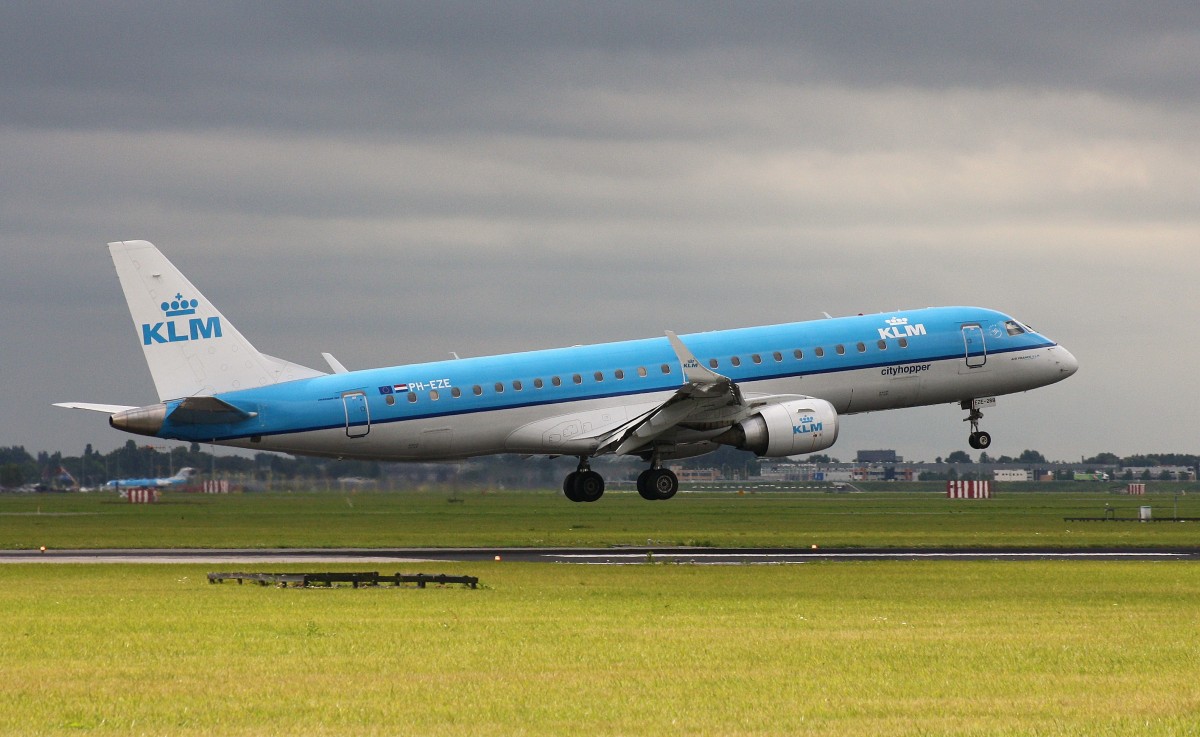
594 556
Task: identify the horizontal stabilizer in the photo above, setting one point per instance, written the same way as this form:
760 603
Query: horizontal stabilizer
108 409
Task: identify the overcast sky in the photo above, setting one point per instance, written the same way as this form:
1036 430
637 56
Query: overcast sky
390 182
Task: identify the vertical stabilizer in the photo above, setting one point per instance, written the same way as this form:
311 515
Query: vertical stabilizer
190 347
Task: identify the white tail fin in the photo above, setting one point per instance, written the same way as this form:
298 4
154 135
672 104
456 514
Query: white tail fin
192 350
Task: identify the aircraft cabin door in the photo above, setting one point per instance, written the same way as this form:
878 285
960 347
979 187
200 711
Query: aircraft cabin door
974 346
358 417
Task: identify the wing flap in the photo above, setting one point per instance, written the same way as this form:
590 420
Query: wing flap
703 391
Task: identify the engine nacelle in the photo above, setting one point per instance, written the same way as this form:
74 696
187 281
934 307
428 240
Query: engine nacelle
789 428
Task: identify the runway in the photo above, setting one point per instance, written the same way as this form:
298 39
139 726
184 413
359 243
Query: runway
585 556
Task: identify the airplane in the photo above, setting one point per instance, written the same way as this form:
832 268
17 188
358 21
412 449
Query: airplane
775 390
179 479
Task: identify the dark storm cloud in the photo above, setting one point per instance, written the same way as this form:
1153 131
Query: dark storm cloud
438 67
391 181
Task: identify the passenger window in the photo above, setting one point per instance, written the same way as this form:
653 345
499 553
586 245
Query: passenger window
412 396
799 354
904 342
517 386
820 352
577 379
619 374
433 394
599 376
455 392
538 384
390 399
556 381
882 345
756 358
862 347
666 368
642 371
713 363
477 390
841 349
777 356
736 361
499 387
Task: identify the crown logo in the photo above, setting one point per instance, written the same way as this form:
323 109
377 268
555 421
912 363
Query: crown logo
897 321
179 306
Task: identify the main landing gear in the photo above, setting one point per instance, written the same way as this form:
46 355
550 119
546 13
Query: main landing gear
657 484
978 439
585 485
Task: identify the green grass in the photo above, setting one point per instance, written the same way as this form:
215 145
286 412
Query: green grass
541 519
882 648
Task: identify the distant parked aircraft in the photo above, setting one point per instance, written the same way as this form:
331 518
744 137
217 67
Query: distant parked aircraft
179 479
776 390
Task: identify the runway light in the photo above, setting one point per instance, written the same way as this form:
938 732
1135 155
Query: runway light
497 557
814 547
43 548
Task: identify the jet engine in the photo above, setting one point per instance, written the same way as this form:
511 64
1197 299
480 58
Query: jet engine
803 425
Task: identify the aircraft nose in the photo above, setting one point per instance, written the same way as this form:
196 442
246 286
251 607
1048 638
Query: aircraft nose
1067 363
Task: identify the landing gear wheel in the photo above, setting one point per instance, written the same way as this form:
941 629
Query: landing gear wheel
589 486
657 484
980 440
583 486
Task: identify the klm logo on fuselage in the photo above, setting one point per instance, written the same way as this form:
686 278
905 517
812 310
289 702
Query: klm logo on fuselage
177 330
808 424
898 327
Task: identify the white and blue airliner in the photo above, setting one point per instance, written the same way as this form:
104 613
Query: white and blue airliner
776 390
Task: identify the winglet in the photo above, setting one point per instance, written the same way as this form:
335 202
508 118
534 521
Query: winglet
692 370
334 364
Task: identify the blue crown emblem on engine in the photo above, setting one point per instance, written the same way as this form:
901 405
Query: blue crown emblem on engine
180 306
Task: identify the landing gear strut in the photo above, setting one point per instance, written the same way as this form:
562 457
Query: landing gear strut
583 484
978 439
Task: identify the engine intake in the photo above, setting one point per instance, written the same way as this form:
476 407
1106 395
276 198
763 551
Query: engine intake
789 428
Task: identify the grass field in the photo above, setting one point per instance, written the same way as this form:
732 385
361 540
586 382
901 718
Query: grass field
883 648
519 518
876 648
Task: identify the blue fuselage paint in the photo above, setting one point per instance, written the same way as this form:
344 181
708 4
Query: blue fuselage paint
859 364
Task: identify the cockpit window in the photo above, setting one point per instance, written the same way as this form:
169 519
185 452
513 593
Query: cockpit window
1014 328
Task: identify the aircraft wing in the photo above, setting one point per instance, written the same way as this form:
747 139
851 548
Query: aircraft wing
703 391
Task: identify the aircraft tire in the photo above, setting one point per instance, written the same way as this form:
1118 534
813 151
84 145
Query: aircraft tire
569 485
589 487
644 486
658 484
980 440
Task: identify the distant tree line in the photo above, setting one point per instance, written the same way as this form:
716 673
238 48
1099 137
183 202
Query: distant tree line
55 470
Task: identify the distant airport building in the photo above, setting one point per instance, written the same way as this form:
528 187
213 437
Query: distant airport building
878 456
1011 474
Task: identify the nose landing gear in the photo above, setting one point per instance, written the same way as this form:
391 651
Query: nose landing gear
978 439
